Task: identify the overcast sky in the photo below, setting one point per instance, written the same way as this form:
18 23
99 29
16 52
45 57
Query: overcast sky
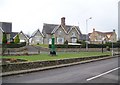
29 15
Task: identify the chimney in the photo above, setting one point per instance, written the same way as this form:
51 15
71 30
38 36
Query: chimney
63 21
93 29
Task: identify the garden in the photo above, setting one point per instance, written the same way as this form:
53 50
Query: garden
47 57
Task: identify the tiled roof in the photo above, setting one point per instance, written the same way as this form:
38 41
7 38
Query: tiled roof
13 34
34 33
48 28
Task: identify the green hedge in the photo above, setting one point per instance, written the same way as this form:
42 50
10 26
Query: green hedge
14 45
115 45
66 46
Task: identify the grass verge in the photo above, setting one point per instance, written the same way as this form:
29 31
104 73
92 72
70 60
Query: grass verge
46 56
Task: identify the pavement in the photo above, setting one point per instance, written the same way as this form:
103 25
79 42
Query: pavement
77 73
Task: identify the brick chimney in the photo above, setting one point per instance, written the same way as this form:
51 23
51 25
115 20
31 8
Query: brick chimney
63 21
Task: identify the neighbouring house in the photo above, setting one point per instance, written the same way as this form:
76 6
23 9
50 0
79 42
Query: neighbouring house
1 35
6 28
37 37
62 32
96 37
23 37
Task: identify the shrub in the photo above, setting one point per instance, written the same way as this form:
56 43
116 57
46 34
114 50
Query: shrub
108 48
4 39
17 39
66 42
15 45
37 43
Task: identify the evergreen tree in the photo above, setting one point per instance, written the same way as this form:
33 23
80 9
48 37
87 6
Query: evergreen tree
17 39
4 39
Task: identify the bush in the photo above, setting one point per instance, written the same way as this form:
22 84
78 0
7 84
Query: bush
17 39
14 45
66 42
4 39
108 48
37 43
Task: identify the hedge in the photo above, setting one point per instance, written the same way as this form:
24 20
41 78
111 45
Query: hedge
14 45
66 46
115 45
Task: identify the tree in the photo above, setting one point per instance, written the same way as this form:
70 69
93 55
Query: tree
4 39
17 39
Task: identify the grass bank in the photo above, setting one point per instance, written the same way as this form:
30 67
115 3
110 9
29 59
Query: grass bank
62 55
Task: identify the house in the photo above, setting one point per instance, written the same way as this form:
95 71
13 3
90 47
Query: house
1 35
62 32
23 37
37 37
6 28
96 37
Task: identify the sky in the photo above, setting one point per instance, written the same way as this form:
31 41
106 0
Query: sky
29 15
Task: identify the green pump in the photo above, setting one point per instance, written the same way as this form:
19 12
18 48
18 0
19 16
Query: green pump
53 52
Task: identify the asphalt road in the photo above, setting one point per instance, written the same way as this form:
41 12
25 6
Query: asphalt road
104 71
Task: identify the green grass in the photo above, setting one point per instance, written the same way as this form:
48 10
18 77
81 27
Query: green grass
46 56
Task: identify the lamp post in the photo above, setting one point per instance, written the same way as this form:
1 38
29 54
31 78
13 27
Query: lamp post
87 33
102 44
112 48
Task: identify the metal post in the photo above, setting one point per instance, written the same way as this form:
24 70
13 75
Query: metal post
112 48
102 46
87 33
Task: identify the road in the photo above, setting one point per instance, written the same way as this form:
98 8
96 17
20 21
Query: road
104 71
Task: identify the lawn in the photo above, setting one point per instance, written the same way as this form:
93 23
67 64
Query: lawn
46 56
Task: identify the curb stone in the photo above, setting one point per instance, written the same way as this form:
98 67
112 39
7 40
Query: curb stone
53 67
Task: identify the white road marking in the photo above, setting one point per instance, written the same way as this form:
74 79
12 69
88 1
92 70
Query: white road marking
102 74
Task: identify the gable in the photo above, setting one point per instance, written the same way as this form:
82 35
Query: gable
74 29
37 33
21 35
60 31
60 27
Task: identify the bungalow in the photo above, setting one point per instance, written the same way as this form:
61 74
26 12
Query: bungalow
37 37
23 37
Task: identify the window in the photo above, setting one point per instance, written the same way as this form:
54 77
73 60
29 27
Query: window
60 40
50 41
74 40
73 33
